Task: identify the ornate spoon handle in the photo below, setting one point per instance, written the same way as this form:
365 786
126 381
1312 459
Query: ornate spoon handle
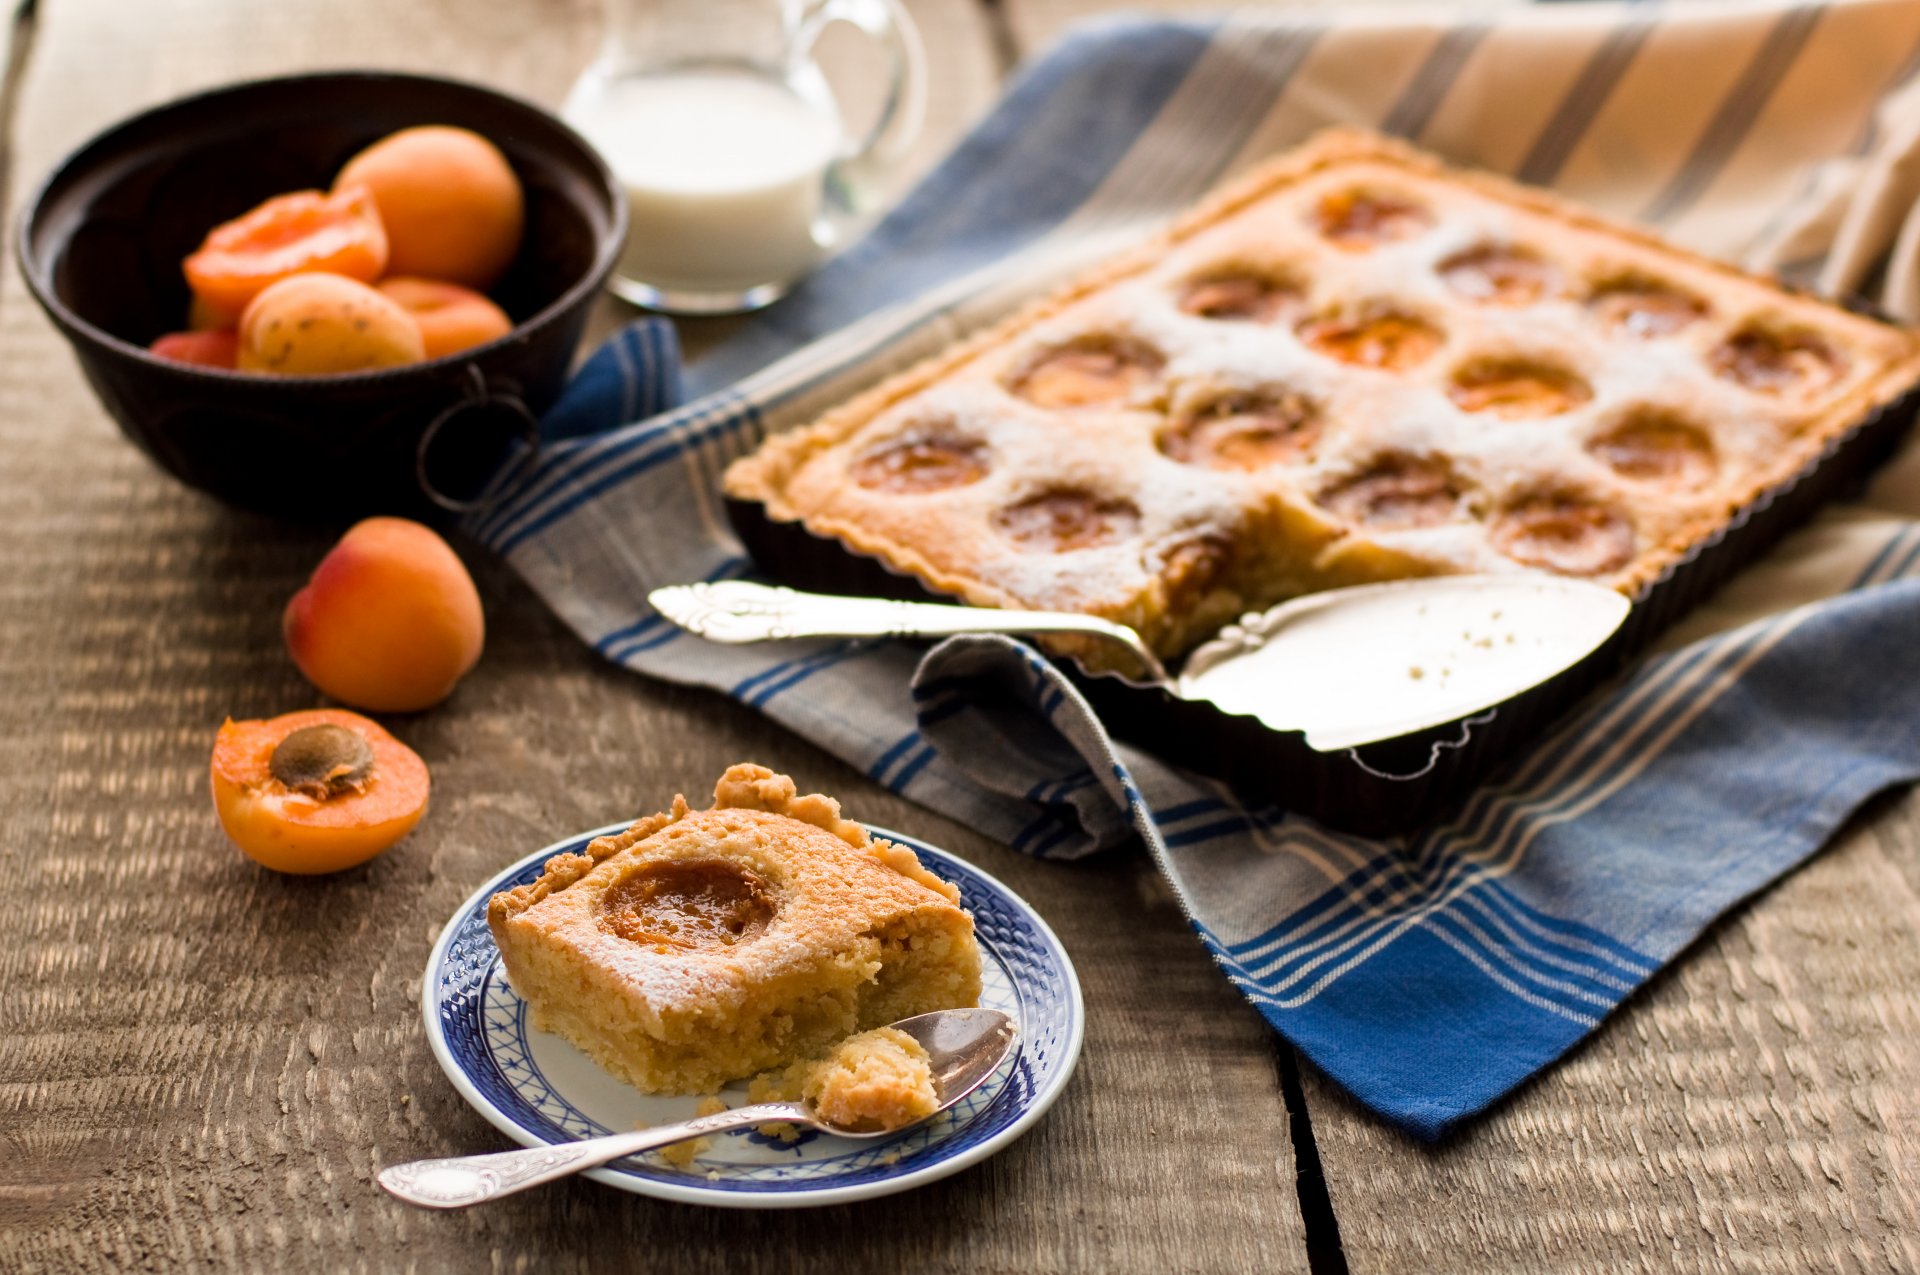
459 1181
735 611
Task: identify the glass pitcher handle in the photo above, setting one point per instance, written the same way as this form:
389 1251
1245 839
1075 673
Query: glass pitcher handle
904 108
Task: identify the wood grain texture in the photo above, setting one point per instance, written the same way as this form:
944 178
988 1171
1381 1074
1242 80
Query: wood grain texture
1757 1108
203 1064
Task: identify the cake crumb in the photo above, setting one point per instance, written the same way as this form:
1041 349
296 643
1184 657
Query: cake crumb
876 1080
681 1154
1416 672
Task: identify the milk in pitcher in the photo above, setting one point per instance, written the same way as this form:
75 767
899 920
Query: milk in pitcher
725 173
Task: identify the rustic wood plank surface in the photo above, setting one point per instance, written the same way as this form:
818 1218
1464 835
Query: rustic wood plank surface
202 1064
1756 1108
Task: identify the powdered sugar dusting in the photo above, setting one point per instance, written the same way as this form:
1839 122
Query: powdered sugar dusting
1364 413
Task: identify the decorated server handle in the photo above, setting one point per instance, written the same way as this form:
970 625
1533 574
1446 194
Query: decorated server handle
736 611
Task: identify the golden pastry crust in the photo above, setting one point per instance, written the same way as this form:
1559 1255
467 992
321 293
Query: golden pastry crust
1352 364
702 946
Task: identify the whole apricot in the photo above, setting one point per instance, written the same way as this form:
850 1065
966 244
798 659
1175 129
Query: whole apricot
202 349
390 620
309 230
449 200
319 324
316 791
451 318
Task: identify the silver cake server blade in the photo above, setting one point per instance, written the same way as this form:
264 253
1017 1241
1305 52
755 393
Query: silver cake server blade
1357 666
1346 667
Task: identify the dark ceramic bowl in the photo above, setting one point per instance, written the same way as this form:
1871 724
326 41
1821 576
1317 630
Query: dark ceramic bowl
102 241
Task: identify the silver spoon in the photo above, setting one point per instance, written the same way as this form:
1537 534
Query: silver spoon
964 1047
1345 667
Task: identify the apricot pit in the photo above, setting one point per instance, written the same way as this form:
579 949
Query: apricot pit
322 761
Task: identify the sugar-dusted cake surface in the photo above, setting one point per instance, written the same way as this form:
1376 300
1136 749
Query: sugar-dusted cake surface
1354 364
703 946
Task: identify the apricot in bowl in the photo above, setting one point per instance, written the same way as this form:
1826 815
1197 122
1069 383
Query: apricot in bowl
103 239
451 318
317 791
298 233
217 348
324 324
451 206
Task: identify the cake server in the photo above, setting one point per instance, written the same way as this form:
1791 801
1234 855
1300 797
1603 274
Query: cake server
964 1047
1345 667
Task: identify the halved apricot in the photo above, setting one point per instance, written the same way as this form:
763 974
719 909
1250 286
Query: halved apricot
1096 370
324 325
202 349
1241 293
317 791
1358 220
451 318
922 461
305 232
1770 361
1065 519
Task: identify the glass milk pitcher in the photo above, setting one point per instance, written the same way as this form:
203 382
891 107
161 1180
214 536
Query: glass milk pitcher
716 118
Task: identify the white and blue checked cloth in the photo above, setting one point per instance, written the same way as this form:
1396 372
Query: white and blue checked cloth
1432 974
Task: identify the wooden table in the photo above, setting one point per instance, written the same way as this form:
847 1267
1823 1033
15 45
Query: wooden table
203 1064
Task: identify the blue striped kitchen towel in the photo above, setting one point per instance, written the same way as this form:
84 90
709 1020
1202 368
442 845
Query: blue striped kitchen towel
1431 974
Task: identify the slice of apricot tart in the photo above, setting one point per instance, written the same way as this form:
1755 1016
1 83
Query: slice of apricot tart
315 791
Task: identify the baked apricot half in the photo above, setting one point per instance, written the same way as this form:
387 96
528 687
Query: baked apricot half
317 791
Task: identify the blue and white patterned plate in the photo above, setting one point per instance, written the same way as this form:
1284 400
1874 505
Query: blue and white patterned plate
538 1089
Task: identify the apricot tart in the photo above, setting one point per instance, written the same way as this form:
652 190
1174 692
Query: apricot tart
1353 365
703 946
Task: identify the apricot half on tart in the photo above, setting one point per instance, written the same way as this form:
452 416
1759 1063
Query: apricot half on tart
316 791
